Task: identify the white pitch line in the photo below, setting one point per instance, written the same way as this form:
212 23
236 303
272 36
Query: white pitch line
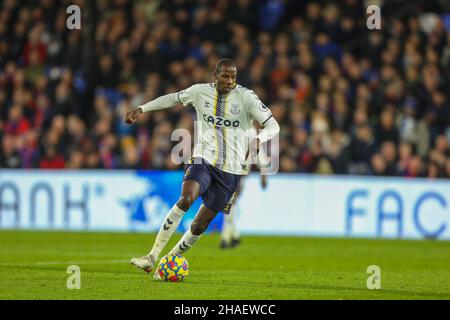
49 263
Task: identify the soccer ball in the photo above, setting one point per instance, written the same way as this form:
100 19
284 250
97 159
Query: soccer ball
173 267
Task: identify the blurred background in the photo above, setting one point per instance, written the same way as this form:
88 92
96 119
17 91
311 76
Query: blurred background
349 100
364 147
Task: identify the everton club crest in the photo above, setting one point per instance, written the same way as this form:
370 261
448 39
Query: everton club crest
235 109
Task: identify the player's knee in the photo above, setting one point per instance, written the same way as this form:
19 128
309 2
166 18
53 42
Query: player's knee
198 227
184 203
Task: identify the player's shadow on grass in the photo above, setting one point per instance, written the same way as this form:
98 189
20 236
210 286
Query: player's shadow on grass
324 287
193 282
83 268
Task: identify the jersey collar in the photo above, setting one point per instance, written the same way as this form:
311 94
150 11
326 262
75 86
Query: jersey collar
215 87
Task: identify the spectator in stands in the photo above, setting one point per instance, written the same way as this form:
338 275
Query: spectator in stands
348 99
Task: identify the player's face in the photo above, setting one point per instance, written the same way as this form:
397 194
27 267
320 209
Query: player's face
226 79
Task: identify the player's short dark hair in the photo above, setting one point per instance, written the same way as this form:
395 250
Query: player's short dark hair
224 62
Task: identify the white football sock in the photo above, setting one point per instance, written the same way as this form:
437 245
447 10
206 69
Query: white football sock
171 222
186 242
236 234
228 226
234 229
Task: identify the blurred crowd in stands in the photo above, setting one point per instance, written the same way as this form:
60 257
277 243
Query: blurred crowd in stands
349 100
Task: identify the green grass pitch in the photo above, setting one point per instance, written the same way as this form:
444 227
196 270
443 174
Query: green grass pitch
33 266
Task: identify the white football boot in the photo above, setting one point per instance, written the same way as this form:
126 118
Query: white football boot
156 275
145 263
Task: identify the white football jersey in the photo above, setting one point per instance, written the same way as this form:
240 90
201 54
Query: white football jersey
224 123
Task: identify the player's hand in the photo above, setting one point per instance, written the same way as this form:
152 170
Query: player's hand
263 182
132 115
253 148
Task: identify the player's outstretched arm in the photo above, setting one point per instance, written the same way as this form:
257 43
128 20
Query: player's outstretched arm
163 102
